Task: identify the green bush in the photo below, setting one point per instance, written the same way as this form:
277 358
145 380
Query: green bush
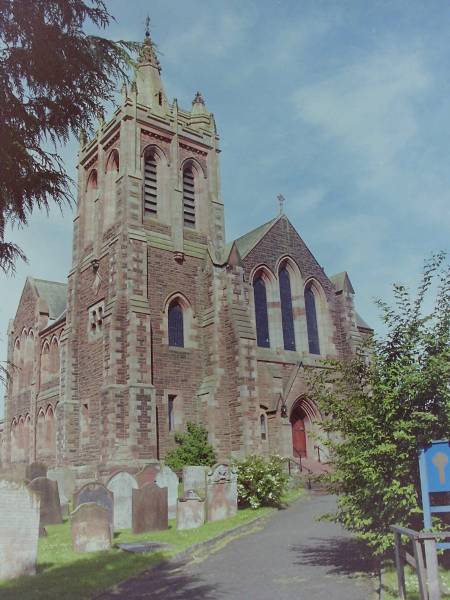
261 481
193 449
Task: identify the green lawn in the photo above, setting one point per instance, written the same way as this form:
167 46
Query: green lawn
412 587
66 575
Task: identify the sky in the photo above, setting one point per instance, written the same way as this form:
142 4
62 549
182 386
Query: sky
342 107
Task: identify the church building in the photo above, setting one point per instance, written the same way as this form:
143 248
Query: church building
161 321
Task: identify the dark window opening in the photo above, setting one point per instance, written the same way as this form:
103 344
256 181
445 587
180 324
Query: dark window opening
175 325
287 315
311 321
170 412
262 420
150 186
188 197
261 316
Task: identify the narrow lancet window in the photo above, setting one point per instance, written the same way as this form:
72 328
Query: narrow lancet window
261 316
287 315
311 321
175 325
150 186
188 197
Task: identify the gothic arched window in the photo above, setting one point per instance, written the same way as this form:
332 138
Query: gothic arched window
261 316
175 325
311 320
150 185
188 197
287 315
112 169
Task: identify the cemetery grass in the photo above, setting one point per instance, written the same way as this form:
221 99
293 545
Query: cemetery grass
63 574
390 587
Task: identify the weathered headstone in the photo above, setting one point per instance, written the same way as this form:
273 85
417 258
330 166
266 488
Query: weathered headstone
19 530
147 474
194 478
150 509
65 479
121 485
221 493
90 527
34 470
190 511
96 492
166 478
47 491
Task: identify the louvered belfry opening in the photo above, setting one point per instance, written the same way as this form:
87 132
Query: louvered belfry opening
188 197
150 186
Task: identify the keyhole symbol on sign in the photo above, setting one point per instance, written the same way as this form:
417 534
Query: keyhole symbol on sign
440 461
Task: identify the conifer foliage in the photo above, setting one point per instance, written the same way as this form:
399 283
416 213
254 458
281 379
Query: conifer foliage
383 405
54 81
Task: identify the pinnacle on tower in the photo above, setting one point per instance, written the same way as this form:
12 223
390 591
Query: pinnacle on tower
148 54
198 99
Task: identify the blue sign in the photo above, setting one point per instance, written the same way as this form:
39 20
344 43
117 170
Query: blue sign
434 465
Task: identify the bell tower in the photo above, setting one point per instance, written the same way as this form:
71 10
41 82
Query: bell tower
149 212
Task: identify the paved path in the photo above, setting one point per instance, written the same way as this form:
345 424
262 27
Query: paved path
292 557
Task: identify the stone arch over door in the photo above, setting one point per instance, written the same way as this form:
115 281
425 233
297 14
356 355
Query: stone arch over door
304 417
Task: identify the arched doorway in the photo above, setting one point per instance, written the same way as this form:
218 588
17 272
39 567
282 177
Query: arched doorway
299 446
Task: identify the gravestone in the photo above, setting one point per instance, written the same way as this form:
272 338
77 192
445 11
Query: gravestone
99 494
221 494
147 474
150 509
194 478
65 479
50 507
190 511
19 530
34 470
166 478
121 485
90 528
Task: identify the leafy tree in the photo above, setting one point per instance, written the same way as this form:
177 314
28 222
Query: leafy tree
193 448
54 81
384 404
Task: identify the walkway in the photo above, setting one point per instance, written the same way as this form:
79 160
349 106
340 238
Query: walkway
293 557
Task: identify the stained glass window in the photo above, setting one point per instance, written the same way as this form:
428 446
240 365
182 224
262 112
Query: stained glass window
175 325
262 320
311 321
287 316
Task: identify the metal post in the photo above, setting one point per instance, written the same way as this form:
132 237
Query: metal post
434 592
400 567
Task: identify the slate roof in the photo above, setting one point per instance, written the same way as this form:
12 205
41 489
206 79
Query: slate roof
54 294
338 281
361 323
248 241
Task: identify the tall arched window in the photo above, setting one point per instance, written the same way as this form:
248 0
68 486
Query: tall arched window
89 208
287 315
109 200
175 324
311 320
189 197
261 317
150 185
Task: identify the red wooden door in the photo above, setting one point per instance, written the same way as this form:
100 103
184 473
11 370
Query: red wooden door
299 437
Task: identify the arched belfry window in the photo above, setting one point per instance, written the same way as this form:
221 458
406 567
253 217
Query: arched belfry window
175 324
287 315
311 320
261 316
150 185
188 196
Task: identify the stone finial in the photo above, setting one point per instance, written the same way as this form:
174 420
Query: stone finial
147 53
83 138
134 88
198 99
124 91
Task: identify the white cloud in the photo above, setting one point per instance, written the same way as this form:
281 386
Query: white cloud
369 107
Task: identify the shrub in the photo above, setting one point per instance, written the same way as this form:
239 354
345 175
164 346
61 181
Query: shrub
193 448
261 481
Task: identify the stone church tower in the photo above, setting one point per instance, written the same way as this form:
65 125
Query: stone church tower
161 322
